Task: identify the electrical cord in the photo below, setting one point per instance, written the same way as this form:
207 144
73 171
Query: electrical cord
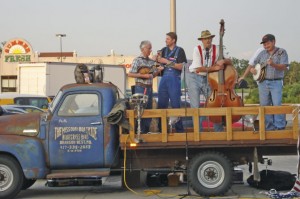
148 192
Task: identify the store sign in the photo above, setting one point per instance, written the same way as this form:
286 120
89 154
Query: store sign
17 50
17 58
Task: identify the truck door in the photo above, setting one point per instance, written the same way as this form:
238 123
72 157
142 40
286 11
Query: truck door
76 135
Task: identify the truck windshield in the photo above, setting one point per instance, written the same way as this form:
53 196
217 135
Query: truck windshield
55 101
80 104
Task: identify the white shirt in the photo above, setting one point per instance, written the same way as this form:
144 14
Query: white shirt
251 61
206 62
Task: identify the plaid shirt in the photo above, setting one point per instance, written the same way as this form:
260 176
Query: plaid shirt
280 57
139 62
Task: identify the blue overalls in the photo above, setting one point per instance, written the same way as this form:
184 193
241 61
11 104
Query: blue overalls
170 87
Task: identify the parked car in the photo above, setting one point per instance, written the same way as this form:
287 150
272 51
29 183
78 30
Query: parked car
25 99
4 111
21 108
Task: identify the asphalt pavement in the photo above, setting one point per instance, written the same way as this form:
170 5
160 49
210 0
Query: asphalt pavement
112 189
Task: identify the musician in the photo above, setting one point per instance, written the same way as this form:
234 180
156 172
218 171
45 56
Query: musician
143 82
172 57
204 61
270 89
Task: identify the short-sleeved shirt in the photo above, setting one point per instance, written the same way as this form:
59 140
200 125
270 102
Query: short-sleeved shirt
280 57
139 62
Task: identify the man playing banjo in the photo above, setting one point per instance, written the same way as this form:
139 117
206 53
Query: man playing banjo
268 68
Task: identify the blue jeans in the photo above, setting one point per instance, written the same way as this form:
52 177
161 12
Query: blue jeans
145 123
170 89
270 94
197 85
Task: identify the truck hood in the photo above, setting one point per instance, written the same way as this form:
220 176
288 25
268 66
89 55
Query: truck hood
20 124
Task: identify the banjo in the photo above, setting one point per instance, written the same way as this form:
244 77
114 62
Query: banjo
261 69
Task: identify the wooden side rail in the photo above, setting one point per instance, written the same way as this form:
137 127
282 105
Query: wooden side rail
230 134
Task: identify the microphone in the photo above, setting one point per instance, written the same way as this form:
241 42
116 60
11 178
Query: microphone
207 53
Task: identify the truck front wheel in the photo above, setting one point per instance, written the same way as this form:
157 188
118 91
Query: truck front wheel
11 177
210 174
27 183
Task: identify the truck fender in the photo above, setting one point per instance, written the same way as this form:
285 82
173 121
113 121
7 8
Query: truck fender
28 151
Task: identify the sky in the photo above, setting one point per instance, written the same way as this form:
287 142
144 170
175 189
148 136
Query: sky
95 27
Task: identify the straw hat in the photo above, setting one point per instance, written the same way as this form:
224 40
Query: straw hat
206 34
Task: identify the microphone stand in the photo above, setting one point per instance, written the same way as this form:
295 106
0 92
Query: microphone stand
188 193
207 84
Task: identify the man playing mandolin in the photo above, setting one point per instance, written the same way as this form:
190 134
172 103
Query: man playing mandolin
144 70
268 69
204 61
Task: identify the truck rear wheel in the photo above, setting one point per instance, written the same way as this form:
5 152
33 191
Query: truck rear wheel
210 174
11 177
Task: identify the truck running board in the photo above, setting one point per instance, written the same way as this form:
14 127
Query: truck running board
76 177
78 173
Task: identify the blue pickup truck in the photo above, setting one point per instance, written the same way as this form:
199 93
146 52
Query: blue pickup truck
70 142
73 143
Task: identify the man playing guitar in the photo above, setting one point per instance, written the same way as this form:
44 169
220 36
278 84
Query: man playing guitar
270 87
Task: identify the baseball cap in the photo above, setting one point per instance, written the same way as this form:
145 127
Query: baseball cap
267 37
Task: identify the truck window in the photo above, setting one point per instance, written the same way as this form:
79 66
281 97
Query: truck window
80 105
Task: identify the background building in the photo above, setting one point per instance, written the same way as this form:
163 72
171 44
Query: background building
19 51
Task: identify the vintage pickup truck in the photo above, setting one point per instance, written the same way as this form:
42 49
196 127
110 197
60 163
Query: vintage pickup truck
73 143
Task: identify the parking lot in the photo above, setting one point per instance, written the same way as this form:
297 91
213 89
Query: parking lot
111 187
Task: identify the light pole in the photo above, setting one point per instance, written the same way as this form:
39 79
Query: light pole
60 39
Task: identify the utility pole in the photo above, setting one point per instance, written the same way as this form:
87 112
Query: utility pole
173 15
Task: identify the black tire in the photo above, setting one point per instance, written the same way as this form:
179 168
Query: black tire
11 177
27 183
210 174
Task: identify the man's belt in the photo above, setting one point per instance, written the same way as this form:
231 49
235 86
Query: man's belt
143 85
274 79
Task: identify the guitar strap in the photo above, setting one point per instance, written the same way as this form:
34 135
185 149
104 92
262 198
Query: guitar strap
274 53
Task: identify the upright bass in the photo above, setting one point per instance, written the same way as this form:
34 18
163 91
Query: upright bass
222 84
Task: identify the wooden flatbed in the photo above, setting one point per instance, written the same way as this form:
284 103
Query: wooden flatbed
231 137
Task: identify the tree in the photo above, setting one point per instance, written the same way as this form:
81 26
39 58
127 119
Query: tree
293 74
2 45
241 66
291 89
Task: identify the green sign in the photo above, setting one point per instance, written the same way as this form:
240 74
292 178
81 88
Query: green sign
17 58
